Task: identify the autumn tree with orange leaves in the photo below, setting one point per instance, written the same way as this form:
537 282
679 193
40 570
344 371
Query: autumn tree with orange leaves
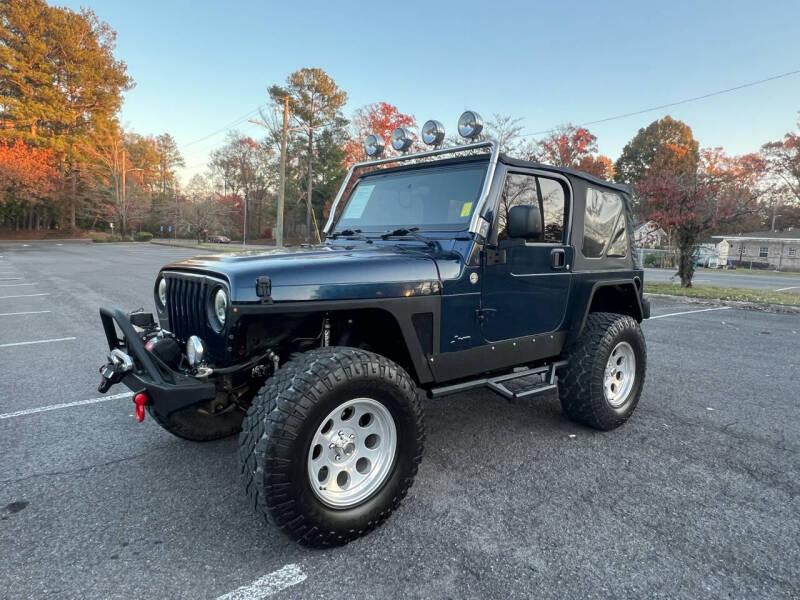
576 148
27 182
692 202
380 118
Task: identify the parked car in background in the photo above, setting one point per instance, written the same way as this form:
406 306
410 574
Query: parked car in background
220 239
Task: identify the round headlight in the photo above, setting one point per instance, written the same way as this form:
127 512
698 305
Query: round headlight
221 306
470 124
433 133
402 138
373 145
162 291
195 351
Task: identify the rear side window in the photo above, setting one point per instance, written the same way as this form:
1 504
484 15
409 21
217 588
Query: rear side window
604 225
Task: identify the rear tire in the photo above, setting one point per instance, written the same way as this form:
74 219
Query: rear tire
601 384
290 458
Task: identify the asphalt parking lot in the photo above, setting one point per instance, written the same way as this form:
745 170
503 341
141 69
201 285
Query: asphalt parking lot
739 278
697 496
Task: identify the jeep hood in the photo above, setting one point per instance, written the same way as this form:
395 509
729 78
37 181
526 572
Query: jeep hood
322 273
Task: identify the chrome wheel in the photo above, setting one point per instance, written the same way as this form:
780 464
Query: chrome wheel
620 374
352 452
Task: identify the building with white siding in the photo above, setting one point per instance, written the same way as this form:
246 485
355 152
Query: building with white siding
777 250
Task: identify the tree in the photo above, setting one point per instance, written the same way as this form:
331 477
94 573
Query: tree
638 154
126 166
573 147
316 103
27 179
507 131
202 209
58 79
169 159
783 164
380 118
692 203
242 165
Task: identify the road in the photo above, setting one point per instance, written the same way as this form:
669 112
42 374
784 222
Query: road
698 495
738 278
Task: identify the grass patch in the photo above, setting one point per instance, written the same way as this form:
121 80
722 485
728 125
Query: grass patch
710 292
107 239
216 248
746 271
737 271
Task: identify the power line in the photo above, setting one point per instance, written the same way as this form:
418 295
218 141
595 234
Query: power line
228 126
194 152
670 104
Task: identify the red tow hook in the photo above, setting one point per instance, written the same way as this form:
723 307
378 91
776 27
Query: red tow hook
140 400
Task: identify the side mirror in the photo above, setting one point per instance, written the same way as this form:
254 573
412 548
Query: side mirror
524 222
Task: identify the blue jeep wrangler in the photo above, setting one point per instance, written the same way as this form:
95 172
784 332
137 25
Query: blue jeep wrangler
442 271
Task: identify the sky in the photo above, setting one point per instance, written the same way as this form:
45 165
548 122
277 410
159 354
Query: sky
201 65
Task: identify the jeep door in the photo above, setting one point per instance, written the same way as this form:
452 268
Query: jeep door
526 279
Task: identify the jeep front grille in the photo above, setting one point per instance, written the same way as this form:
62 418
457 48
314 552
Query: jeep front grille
187 300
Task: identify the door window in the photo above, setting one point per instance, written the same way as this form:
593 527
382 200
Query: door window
547 194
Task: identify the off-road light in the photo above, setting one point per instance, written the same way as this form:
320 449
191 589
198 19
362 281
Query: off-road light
162 291
402 138
470 125
433 133
220 306
374 145
195 350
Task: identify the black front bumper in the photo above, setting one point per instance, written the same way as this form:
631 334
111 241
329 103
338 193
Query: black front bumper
166 389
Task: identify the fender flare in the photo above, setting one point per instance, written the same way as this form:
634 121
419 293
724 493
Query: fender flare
640 315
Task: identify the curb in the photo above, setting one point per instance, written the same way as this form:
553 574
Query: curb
160 243
781 309
49 241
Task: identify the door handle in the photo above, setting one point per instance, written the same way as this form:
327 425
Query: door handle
558 257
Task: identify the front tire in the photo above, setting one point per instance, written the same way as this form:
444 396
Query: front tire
601 384
331 445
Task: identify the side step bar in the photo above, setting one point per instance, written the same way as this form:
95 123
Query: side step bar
517 385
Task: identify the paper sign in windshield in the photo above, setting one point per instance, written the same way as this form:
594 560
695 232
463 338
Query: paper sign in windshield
358 202
466 209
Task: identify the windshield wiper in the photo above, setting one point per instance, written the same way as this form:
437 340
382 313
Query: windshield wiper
350 234
410 233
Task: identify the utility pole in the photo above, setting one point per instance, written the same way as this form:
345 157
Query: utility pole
282 185
244 229
122 203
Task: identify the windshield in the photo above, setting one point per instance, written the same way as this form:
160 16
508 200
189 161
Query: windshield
431 199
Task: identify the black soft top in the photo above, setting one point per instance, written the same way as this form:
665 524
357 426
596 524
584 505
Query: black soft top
516 162
506 160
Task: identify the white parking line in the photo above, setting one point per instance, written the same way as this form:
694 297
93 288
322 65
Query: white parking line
268 585
689 312
15 284
794 287
30 312
33 411
9 278
23 296
66 339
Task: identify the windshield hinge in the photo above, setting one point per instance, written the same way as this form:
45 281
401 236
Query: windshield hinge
264 288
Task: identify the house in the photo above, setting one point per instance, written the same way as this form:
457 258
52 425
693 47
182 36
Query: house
778 250
649 234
